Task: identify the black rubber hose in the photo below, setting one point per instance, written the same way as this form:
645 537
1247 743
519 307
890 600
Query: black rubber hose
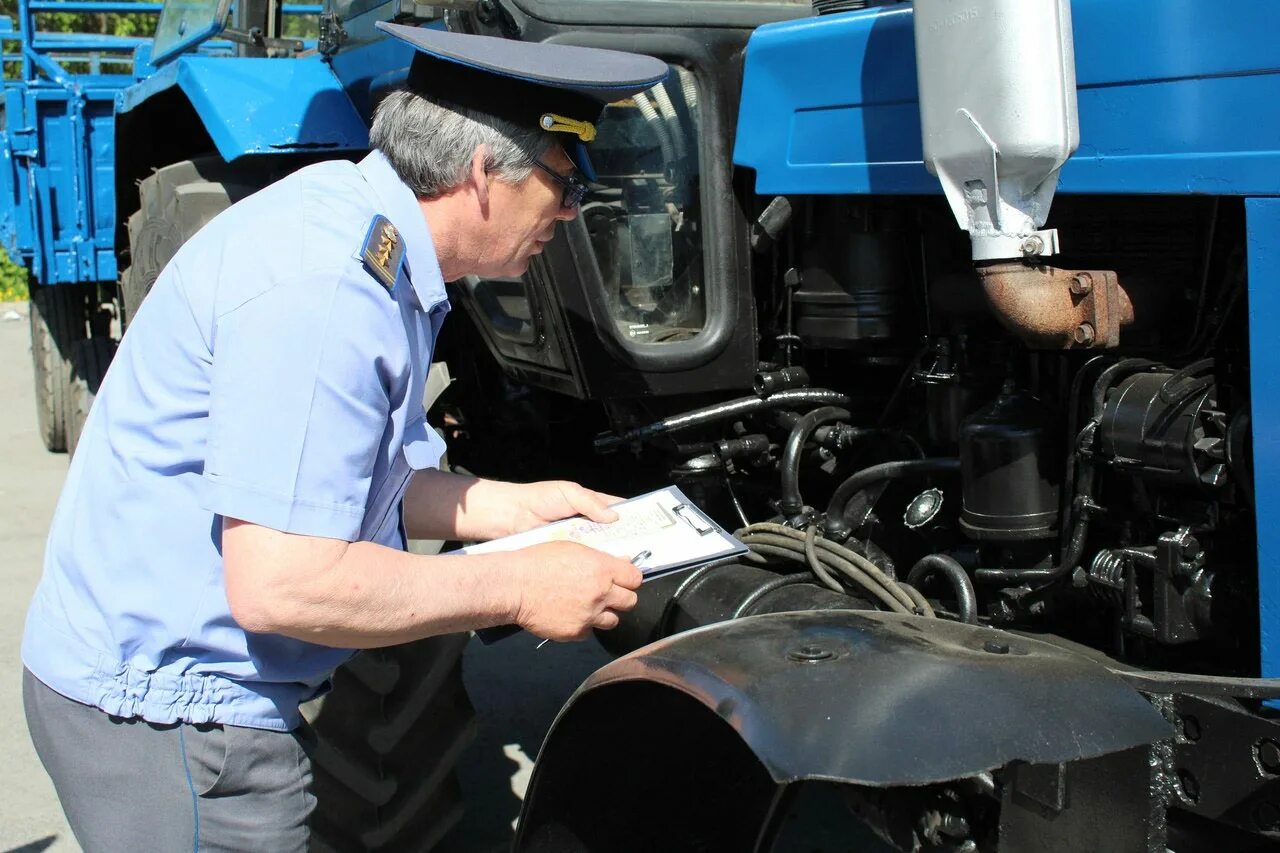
1075 545
792 503
764 589
1073 434
838 527
1107 376
966 597
1167 391
723 411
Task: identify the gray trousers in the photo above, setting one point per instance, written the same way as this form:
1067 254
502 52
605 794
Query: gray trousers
130 785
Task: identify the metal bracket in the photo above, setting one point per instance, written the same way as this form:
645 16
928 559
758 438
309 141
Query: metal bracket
332 34
254 36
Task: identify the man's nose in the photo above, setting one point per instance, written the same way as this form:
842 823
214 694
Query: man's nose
567 213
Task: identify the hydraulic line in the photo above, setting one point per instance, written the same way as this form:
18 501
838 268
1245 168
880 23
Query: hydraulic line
815 563
789 543
922 604
792 503
783 549
723 411
838 526
949 568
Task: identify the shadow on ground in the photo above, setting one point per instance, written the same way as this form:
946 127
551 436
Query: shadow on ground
35 846
517 690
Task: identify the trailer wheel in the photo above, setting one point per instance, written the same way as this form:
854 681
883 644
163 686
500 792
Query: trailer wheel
92 357
391 730
57 318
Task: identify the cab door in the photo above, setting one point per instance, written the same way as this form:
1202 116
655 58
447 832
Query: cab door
647 292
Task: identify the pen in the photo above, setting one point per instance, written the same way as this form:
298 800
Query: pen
637 560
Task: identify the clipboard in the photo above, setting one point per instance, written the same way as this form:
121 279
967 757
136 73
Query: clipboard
677 534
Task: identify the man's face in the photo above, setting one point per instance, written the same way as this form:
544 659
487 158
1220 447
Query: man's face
523 216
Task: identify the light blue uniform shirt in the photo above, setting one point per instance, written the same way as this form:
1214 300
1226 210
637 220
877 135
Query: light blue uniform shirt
269 376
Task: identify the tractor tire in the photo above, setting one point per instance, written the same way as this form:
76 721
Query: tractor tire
176 202
390 732
390 736
58 318
92 357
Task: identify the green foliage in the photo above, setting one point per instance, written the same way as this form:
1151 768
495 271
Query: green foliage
300 26
13 280
66 22
137 25
88 22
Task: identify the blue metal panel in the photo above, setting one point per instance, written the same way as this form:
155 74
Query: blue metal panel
1263 223
100 123
369 60
1173 99
260 106
17 223
64 222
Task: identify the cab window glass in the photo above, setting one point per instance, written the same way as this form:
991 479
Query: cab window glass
506 304
184 23
643 213
348 9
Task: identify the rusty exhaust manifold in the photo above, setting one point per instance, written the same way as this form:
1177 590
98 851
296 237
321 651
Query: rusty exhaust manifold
1051 308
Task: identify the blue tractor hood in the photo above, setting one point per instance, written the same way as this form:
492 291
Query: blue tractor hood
1172 98
260 106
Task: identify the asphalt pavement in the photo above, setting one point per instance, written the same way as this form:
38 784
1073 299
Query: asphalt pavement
30 818
516 688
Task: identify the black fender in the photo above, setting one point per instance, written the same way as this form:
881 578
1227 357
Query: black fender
704 728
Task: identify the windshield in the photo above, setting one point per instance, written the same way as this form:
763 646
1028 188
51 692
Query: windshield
643 215
184 23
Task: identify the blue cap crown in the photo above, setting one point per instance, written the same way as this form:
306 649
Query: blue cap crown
559 88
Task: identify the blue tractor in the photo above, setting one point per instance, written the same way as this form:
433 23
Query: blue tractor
956 310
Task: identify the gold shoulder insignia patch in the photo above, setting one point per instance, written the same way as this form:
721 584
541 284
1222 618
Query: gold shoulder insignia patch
383 250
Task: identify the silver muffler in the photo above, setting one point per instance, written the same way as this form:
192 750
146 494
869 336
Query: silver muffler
998 113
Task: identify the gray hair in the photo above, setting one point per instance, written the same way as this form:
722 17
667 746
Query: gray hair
430 143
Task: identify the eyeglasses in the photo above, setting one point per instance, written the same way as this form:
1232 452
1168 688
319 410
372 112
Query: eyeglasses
575 190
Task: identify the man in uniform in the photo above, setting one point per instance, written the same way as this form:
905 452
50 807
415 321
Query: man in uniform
235 517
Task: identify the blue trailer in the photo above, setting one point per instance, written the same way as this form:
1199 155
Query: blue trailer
83 122
1043 448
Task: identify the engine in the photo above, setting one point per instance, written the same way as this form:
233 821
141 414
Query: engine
1043 426
1000 405
1103 494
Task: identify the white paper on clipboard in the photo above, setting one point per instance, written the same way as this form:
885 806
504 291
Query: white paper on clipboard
665 523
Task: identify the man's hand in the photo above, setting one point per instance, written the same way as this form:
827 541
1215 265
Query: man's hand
441 505
535 504
566 589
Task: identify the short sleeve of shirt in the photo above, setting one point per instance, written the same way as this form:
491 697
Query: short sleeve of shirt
300 398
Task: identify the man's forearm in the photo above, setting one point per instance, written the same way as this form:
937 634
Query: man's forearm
362 595
374 596
442 505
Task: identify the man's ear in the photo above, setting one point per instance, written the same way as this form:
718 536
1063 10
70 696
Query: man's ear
480 178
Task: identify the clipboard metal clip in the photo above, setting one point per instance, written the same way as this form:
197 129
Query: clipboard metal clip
693 518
